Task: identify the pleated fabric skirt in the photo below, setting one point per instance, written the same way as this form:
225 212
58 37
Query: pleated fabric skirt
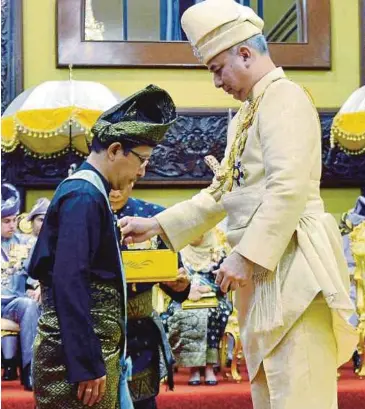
51 388
301 372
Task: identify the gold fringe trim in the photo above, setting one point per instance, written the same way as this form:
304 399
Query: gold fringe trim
44 132
268 310
348 132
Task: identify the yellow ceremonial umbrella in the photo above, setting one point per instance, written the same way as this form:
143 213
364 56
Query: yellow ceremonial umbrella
348 127
55 117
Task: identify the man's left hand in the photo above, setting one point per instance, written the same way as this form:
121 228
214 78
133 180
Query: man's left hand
235 271
35 294
181 282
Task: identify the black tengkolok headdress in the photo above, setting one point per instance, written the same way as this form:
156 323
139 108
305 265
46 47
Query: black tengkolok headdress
141 119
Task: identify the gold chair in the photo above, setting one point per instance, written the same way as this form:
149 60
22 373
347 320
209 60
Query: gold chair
231 331
9 327
24 225
357 238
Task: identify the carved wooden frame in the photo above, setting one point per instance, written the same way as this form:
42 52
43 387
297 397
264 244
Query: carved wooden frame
179 160
72 49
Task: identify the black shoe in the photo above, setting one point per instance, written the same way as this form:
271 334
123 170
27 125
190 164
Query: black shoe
356 359
27 378
10 372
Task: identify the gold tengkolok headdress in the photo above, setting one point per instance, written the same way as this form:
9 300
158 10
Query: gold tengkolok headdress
213 26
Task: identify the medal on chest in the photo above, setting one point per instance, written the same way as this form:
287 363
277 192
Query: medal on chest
238 174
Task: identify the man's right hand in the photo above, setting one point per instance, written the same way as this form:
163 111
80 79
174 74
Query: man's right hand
92 391
138 229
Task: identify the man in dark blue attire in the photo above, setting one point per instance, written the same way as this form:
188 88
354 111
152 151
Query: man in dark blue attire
81 334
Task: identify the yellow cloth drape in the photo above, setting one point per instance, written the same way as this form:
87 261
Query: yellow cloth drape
45 132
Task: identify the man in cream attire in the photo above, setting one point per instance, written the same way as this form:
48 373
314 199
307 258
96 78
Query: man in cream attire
287 263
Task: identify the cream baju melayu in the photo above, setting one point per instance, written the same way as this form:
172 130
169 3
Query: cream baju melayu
294 313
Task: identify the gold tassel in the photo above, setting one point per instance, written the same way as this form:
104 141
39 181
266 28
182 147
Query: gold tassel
268 311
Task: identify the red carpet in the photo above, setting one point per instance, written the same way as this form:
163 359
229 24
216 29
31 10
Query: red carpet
228 394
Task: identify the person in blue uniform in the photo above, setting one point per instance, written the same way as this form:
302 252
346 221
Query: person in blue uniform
81 332
147 344
35 218
15 303
36 215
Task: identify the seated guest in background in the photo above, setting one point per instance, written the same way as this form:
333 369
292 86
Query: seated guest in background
15 305
349 220
195 331
146 338
35 217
